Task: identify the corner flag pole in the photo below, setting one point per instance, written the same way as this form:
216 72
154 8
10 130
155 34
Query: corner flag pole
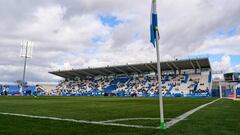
162 124
154 34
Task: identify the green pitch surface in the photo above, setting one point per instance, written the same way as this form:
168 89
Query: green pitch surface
221 117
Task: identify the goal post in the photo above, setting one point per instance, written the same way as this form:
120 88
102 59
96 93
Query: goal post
229 90
237 92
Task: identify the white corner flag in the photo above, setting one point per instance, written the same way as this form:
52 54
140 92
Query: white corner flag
155 41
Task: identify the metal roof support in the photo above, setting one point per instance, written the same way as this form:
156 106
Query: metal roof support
79 75
134 71
195 69
138 70
131 68
86 73
109 71
170 67
175 66
198 64
151 65
146 65
70 74
192 64
121 70
99 72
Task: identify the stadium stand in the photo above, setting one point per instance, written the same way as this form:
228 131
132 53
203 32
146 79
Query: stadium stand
190 77
138 85
14 89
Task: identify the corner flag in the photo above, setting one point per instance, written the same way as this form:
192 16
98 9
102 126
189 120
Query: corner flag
155 41
154 22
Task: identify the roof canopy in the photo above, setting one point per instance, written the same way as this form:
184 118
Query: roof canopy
199 63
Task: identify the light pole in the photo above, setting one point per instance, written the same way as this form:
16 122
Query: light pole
26 52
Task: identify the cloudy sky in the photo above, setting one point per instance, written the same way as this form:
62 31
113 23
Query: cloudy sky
81 33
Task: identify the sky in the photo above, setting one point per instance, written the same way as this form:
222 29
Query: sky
94 33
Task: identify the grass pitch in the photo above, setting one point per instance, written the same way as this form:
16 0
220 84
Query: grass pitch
221 117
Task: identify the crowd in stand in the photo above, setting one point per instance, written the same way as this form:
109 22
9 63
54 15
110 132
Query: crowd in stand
137 85
82 86
4 90
133 86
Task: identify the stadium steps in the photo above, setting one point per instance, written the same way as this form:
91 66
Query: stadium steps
195 87
165 79
171 87
110 88
210 77
186 78
113 84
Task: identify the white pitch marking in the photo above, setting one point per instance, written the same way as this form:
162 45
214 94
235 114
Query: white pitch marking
185 115
106 123
78 121
128 119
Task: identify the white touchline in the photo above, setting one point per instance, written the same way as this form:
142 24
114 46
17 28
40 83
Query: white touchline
78 121
185 115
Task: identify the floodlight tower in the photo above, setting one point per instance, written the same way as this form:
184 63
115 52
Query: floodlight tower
26 53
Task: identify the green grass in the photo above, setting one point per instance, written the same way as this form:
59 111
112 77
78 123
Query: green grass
221 117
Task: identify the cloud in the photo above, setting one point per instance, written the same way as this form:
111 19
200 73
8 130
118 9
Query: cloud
226 45
72 33
224 65
237 68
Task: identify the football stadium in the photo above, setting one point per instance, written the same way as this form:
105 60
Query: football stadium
178 96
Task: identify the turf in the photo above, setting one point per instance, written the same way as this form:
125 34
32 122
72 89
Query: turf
221 117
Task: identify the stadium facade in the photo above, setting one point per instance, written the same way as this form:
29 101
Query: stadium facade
233 77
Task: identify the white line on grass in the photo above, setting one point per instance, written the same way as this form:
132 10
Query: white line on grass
78 121
185 115
128 119
108 122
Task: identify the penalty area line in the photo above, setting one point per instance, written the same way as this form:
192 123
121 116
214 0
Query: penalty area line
78 121
185 115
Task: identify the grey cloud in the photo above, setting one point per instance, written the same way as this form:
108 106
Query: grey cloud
62 31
